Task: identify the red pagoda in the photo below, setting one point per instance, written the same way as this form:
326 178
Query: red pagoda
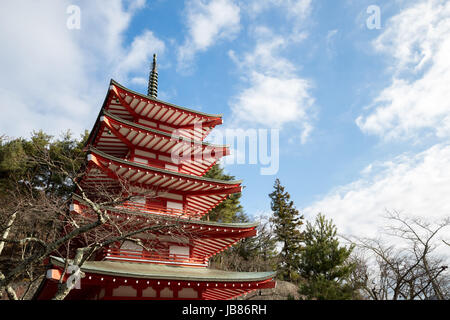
134 138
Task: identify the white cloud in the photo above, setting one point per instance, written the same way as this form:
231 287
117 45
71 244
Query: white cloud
298 9
416 185
41 69
273 94
140 53
140 81
207 23
266 55
331 34
273 101
54 78
418 100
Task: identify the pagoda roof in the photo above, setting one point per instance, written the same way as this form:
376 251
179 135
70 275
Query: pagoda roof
214 284
157 271
159 132
149 111
113 82
202 194
117 137
163 171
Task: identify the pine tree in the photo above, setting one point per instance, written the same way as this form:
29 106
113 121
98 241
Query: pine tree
230 210
256 253
287 222
324 263
250 254
17 164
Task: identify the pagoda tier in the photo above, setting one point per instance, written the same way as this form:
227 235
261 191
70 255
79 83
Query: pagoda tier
152 153
191 243
128 140
192 195
157 114
108 280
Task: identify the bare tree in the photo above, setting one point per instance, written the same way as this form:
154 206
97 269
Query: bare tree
407 269
35 224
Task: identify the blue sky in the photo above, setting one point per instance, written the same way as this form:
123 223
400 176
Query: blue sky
363 114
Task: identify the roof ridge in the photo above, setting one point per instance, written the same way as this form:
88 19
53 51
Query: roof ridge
114 82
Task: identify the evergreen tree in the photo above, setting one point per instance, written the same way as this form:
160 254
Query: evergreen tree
287 222
266 245
229 210
324 263
256 253
250 254
17 161
34 191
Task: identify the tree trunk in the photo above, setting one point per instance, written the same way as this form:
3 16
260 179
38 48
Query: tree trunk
436 287
64 288
9 290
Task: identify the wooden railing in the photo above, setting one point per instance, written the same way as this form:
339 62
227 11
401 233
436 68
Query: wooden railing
153 257
145 208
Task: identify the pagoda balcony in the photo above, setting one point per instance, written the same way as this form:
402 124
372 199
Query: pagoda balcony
150 209
133 207
143 256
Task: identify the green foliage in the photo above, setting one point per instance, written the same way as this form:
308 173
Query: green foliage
259 249
287 222
30 162
324 263
229 210
33 186
12 165
256 253
323 289
250 254
264 245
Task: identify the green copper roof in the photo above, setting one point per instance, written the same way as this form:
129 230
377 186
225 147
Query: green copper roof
164 272
166 103
168 172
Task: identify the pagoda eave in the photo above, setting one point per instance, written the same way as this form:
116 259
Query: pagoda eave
137 127
122 138
202 191
165 116
199 113
148 281
95 153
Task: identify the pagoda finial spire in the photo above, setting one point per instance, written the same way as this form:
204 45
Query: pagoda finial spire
153 79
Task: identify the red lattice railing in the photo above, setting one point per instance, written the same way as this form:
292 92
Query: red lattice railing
153 257
145 208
